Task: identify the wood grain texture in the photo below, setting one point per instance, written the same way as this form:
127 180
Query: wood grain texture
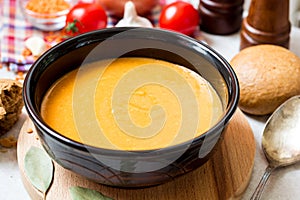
224 176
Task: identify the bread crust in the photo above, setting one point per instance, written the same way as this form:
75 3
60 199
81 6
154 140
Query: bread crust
268 75
11 103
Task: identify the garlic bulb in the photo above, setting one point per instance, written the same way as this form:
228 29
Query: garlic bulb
36 45
131 18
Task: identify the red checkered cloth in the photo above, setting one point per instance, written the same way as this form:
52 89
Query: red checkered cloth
14 30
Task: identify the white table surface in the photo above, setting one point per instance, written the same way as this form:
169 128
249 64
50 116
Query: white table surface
283 184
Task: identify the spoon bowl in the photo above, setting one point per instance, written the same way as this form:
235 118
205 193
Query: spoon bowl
281 139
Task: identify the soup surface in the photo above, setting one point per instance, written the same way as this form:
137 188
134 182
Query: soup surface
131 104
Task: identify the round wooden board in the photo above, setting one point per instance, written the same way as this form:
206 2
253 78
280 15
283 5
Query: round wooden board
225 176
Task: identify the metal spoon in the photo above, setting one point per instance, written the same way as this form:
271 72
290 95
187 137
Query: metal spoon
281 140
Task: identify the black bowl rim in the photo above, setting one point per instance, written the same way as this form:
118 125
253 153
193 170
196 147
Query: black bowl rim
228 112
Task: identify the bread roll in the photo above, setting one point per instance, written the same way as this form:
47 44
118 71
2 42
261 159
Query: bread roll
11 103
268 75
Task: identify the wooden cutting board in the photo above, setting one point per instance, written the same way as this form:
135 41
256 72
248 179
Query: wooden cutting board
225 176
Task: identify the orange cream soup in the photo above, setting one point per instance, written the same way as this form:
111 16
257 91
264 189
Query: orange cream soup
131 104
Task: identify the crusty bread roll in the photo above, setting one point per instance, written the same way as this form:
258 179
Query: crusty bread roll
11 103
268 75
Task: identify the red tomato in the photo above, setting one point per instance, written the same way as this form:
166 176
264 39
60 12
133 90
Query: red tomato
85 17
179 16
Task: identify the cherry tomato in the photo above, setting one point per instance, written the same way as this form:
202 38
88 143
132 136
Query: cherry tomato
85 17
179 16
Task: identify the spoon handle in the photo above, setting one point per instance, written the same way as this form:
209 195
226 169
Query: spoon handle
259 189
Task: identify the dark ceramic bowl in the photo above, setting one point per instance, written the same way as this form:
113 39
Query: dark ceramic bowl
130 168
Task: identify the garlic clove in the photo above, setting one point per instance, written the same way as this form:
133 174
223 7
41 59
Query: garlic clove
131 18
36 45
